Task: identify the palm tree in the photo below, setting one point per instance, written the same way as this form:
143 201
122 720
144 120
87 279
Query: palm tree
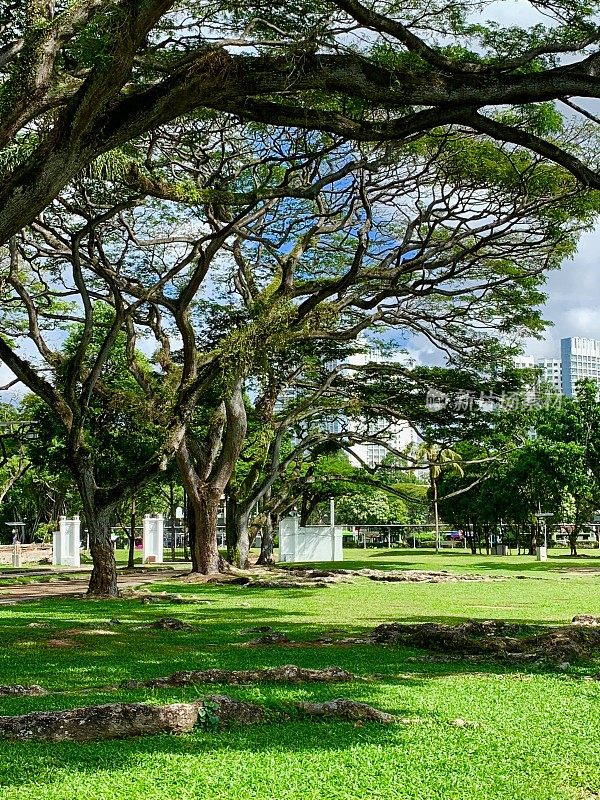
438 458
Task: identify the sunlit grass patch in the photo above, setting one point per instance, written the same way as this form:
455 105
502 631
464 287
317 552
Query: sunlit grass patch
532 733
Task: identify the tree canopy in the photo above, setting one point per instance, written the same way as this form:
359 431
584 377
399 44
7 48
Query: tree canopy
82 79
246 186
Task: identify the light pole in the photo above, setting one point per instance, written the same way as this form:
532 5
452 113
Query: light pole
17 532
542 551
332 523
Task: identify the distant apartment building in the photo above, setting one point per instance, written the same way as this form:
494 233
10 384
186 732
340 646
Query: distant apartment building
398 436
580 359
550 369
524 362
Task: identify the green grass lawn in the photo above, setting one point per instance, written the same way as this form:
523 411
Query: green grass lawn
535 732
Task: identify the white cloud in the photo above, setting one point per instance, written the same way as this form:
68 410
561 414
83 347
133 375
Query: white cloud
573 304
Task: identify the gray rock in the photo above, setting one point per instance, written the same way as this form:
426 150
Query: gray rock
113 721
585 619
22 691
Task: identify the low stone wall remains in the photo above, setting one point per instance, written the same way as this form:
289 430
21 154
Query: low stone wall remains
30 553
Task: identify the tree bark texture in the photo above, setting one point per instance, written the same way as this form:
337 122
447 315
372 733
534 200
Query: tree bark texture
103 580
267 540
205 553
190 518
231 510
238 535
205 476
114 721
121 720
131 553
99 115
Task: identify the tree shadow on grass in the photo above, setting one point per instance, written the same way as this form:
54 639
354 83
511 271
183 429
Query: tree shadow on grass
219 638
428 561
548 567
376 666
22 762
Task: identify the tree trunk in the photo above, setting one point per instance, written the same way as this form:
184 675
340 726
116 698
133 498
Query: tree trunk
103 581
191 526
231 511
436 515
473 542
573 545
172 517
205 552
131 557
304 510
206 474
266 542
242 535
185 527
574 533
533 542
237 534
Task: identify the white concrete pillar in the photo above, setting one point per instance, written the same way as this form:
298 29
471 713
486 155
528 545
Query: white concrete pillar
288 538
153 533
542 553
66 543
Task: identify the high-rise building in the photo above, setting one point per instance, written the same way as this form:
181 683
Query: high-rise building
580 358
398 436
551 369
524 362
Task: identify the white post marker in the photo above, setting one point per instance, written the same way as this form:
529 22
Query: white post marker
66 543
542 550
153 532
16 554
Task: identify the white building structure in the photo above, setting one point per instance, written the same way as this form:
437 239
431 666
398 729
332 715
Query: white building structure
398 435
66 543
153 541
551 372
550 369
524 362
580 359
310 543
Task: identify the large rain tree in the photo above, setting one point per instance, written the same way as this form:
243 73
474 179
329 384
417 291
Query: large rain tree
79 79
315 239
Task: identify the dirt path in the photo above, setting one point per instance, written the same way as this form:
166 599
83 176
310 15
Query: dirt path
10 595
